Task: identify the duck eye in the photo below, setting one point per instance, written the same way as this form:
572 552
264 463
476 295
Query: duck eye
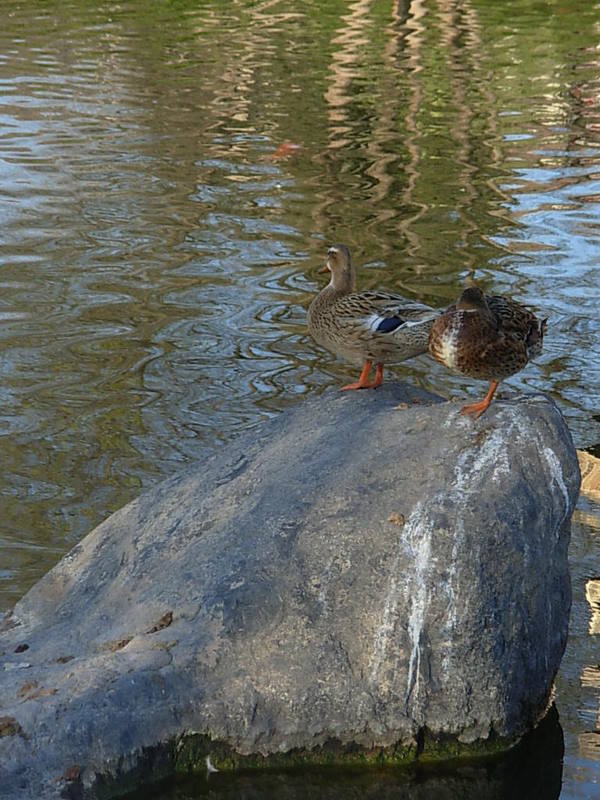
332 251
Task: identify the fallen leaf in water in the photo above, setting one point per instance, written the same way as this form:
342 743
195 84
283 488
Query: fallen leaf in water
285 150
20 648
64 659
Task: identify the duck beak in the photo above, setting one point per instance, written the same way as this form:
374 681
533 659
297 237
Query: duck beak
323 269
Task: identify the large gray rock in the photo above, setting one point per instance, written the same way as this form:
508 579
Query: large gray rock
355 579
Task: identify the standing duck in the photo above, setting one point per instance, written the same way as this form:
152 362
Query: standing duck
366 327
488 337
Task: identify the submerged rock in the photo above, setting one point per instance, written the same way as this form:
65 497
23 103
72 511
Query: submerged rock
359 579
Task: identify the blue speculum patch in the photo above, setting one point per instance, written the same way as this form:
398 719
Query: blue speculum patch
390 324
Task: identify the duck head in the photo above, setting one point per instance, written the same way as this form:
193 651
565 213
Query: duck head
472 299
339 263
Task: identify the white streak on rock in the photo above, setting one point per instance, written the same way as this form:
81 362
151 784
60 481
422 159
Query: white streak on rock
418 532
324 581
557 478
476 465
555 468
415 531
486 462
477 462
453 591
387 623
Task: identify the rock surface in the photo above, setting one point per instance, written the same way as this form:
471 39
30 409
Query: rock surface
356 579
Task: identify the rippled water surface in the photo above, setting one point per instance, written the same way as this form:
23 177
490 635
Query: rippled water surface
158 249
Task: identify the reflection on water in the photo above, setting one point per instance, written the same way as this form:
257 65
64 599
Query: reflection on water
156 263
592 595
578 683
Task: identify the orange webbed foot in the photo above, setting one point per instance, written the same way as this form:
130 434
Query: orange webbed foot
357 385
363 382
475 410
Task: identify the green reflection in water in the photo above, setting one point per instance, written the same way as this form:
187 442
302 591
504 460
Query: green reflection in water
156 262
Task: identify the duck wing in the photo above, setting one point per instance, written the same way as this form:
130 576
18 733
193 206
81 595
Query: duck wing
516 321
380 312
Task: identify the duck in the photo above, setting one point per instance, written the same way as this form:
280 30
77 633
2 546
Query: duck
487 337
366 328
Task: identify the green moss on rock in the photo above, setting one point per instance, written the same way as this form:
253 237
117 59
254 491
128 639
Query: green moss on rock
193 750
445 747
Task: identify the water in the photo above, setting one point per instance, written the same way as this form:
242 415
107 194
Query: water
156 261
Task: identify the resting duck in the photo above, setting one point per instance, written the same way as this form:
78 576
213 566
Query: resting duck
488 337
366 327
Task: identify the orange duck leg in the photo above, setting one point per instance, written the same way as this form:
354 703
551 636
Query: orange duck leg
475 410
364 382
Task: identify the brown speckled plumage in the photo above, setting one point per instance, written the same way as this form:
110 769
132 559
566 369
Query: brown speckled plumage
366 327
487 337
